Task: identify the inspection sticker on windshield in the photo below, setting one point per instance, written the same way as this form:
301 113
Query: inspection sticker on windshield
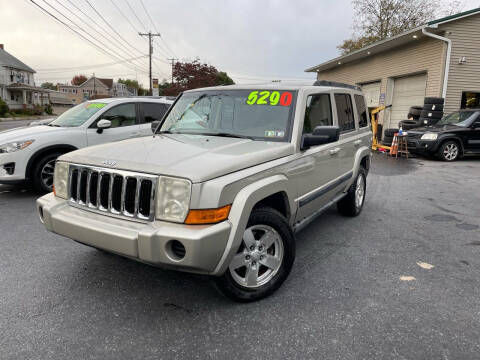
95 105
272 98
272 133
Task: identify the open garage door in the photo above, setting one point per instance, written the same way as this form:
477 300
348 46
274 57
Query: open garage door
407 91
372 93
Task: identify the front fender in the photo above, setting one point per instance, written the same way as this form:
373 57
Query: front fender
240 212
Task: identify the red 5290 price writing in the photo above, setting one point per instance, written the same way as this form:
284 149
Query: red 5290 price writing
271 98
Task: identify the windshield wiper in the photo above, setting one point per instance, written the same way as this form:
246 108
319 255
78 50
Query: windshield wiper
53 125
224 134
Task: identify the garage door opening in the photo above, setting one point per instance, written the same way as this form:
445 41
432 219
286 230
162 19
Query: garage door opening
407 91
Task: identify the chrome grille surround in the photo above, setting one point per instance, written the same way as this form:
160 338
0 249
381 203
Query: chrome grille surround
80 197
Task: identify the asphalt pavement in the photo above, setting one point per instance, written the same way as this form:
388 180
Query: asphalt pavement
361 288
10 124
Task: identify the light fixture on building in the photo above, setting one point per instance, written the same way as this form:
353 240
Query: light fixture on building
415 36
462 60
368 52
339 63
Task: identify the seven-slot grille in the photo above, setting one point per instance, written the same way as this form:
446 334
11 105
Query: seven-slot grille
121 193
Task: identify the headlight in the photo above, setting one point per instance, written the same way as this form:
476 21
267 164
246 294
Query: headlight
173 199
15 146
429 136
60 180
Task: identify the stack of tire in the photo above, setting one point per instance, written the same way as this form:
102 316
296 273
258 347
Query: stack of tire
388 135
432 111
414 114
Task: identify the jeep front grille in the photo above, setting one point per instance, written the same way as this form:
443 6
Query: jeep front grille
121 193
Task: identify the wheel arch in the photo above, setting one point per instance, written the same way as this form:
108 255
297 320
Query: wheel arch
447 138
64 148
274 188
362 158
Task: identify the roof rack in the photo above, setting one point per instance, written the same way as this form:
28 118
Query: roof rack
336 84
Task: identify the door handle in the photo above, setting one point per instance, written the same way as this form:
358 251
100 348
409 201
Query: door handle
357 142
334 151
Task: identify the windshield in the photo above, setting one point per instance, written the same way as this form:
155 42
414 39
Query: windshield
256 114
459 118
77 115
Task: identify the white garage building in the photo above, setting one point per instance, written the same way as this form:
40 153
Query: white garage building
439 59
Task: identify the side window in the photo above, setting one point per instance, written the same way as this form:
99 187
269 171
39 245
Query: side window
317 113
121 115
153 112
362 111
346 121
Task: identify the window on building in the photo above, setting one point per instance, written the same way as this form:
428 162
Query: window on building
121 115
361 110
346 120
153 112
470 100
317 113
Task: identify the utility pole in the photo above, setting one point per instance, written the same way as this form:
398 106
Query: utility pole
173 63
94 84
150 52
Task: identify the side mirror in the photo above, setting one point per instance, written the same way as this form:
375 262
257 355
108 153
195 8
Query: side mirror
320 135
103 124
155 125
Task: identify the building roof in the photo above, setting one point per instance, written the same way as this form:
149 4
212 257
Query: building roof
404 38
9 60
18 86
108 82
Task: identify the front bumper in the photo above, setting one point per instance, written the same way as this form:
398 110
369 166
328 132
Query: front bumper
145 242
20 164
422 146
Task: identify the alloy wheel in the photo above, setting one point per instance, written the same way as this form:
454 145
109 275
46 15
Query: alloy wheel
259 257
359 191
450 151
46 174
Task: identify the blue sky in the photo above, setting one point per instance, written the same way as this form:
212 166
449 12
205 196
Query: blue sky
251 40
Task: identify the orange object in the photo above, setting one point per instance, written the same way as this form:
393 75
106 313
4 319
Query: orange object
53 189
394 148
207 216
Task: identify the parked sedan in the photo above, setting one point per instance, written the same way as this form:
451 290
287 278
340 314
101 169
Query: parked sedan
455 135
29 153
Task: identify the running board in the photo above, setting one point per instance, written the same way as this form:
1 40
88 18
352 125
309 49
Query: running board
305 222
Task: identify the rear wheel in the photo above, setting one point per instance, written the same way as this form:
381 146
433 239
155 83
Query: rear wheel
449 151
263 260
42 175
352 203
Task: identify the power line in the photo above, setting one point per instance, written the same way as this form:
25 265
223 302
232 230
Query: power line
108 39
173 64
135 14
111 27
76 32
85 67
150 47
153 24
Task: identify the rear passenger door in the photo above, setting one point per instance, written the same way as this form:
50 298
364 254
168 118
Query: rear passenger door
151 112
347 144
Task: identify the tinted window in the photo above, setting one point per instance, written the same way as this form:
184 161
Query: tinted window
362 111
153 112
121 115
346 121
317 113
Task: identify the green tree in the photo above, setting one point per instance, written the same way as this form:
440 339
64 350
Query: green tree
133 84
48 85
224 79
376 20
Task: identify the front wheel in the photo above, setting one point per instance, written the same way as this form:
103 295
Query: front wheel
42 176
263 260
449 151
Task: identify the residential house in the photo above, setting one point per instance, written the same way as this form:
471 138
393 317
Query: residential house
438 59
72 92
17 86
97 88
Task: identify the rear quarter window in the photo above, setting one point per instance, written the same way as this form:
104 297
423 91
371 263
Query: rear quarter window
346 120
361 111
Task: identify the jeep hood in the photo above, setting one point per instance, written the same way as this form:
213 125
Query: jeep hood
195 157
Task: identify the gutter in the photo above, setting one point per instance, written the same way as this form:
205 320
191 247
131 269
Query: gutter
447 60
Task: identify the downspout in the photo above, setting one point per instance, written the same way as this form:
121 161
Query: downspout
447 60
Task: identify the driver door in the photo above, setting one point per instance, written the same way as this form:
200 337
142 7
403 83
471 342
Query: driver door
124 119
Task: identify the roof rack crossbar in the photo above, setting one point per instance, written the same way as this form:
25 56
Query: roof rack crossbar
336 84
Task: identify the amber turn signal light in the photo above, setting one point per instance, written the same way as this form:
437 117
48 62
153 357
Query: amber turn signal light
53 189
208 216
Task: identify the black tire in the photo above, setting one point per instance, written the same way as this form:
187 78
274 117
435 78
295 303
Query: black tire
442 151
431 114
408 124
38 178
415 110
232 289
390 132
379 132
387 141
433 107
349 206
434 100
427 121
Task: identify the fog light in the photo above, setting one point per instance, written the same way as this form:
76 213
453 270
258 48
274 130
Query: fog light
175 250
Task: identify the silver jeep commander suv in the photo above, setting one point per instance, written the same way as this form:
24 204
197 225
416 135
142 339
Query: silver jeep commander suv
220 188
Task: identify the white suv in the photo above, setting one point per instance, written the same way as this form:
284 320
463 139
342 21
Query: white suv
29 153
